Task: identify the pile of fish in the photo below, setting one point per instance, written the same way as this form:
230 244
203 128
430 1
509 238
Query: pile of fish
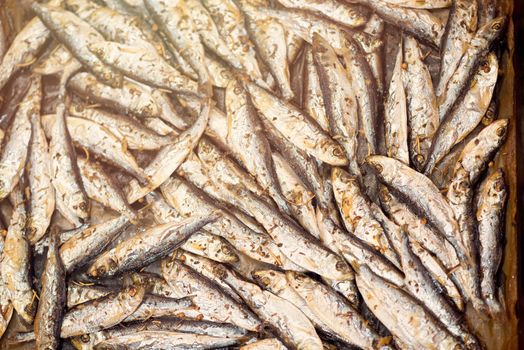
300 174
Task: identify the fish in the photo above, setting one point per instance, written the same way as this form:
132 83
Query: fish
339 98
288 119
13 154
188 200
421 23
472 161
297 195
365 89
169 158
68 28
467 113
206 267
356 213
16 262
420 284
375 27
101 188
48 319
41 201
344 14
396 114
6 306
78 294
231 25
209 33
461 27
490 206
93 137
313 100
207 296
478 48
165 340
334 311
292 326
422 109
395 308
159 306
130 98
269 38
299 246
175 21
145 247
102 313
140 64
422 4
78 250
24 48
422 193
210 246
251 147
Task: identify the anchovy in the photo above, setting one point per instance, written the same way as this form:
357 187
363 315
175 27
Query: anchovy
478 48
144 66
189 201
102 313
6 306
420 284
490 205
460 28
375 27
423 118
130 98
420 23
356 252
292 326
471 163
422 193
343 13
13 154
210 246
99 140
396 114
219 72
365 89
209 33
143 340
24 48
68 28
131 132
294 45
357 215
159 306
78 294
466 114
339 98
340 317
270 40
296 194
169 158
175 21
16 262
313 101
146 247
206 267
89 242
48 319
213 329
251 147
210 298
288 119
395 308
230 23
423 4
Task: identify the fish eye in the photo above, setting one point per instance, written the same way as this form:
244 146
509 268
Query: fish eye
379 168
340 266
496 26
101 270
85 338
132 291
501 131
420 158
337 152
